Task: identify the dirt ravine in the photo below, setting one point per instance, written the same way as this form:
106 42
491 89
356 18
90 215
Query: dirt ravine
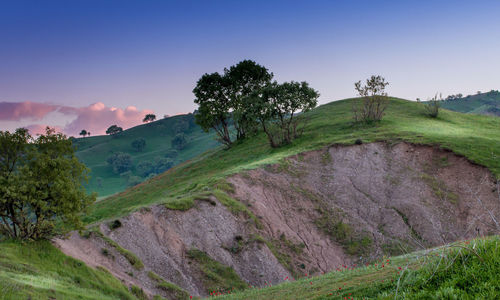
394 198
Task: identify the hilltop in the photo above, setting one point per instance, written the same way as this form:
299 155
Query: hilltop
94 151
340 195
481 103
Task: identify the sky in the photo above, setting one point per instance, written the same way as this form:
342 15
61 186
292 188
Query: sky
85 64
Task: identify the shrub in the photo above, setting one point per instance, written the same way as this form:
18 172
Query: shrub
432 106
115 224
179 141
358 142
139 144
120 162
373 102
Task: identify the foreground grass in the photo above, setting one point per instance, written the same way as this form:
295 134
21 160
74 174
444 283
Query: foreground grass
37 270
474 136
463 270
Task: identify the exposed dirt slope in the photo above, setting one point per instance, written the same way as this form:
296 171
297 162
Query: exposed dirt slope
319 210
392 197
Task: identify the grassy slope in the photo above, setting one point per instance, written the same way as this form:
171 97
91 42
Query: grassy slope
463 270
93 151
485 103
477 137
40 271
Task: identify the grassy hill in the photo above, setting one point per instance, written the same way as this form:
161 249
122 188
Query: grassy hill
40 270
475 136
483 103
94 151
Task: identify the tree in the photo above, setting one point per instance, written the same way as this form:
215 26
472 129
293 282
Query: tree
373 100
83 133
245 78
149 118
139 144
120 162
275 108
144 168
212 96
40 184
114 129
88 133
182 125
179 141
163 164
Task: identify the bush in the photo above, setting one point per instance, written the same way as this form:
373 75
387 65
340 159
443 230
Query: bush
373 102
432 106
115 224
120 162
179 142
139 144
358 142
144 168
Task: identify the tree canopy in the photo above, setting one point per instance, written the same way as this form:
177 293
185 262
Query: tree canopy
138 144
114 129
149 118
40 184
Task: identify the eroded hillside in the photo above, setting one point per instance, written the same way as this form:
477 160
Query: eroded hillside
310 213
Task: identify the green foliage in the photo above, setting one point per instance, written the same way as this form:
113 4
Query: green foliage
120 162
373 102
149 118
221 96
432 106
138 292
144 168
131 257
485 103
211 94
38 270
216 276
40 184
139 144
182 125
179 141
113 130
275 108
245 78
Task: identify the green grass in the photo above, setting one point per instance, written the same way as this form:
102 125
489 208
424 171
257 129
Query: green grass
37 270
216 276
462 270
474 136
131 257
93 151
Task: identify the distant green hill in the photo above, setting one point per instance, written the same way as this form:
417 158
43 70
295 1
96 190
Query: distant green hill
158 135
483 103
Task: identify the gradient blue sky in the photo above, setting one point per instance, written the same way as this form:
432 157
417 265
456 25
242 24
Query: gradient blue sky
149 54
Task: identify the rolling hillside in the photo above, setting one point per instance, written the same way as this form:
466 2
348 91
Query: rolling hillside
94 151
262 216
483 103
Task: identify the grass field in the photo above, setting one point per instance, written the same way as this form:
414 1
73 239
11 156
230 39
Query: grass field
37 270
475 136
93 151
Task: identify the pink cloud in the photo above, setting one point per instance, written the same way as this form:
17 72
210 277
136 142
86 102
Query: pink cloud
97 117
15 111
